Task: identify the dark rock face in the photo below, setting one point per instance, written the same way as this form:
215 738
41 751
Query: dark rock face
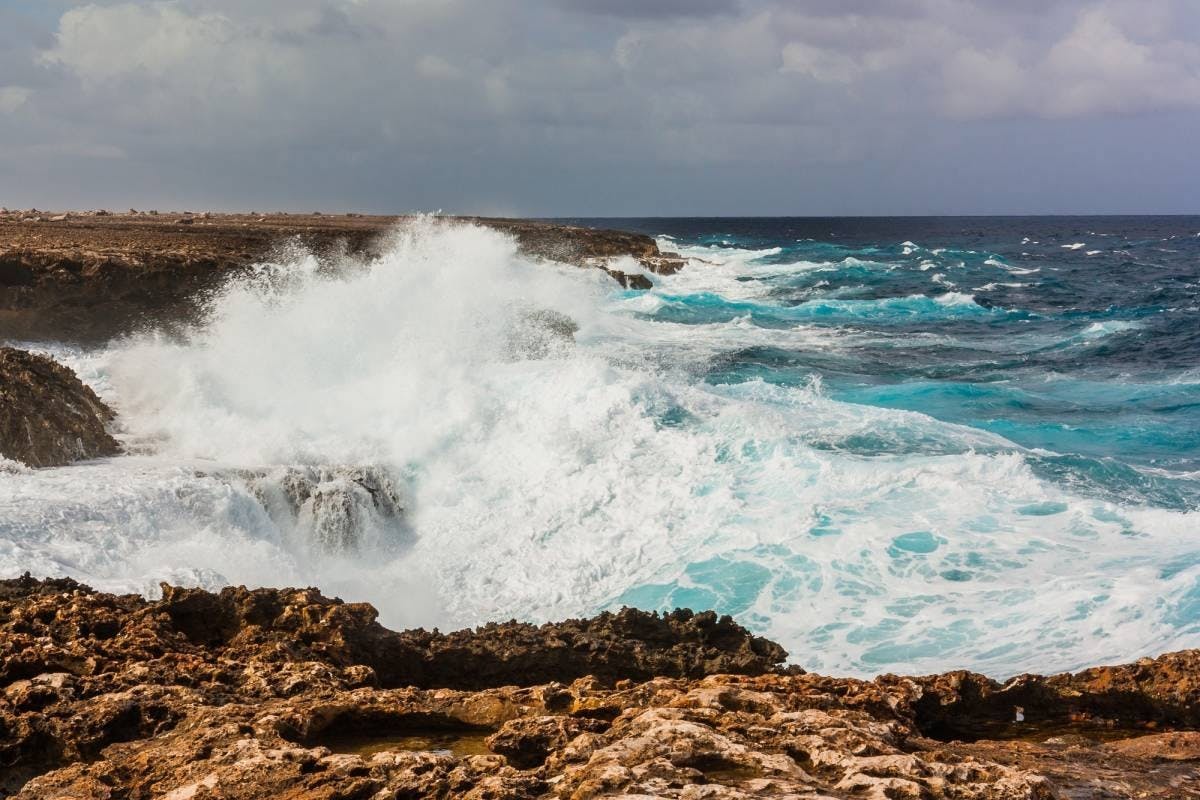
83 277
285 693
1163 691
630 644
301 625
48 417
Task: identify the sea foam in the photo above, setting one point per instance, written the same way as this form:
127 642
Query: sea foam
528 475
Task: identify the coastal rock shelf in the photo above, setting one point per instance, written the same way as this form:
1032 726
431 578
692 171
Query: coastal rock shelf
92 275
285 693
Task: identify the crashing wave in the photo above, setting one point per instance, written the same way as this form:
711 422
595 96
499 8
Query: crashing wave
335 509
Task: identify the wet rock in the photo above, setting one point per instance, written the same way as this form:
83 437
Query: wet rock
334 509
1152 692
301 625
631 280
48 417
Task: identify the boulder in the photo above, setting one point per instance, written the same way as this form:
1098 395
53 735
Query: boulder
48 417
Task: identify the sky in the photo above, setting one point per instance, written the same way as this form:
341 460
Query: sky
603 107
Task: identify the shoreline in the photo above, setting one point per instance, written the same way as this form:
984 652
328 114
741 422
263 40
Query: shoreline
257 693
266 692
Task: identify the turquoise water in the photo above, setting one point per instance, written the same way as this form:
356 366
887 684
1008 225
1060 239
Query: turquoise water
1077 336
1069 345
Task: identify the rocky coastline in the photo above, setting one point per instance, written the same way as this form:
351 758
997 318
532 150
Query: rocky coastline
248 694
84 276
286 693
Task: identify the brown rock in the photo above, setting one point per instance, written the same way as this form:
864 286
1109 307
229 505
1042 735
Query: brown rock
48 417
285 693
526 742
1182 746
105 275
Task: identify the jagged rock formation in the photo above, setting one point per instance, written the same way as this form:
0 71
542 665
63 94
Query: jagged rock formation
285 693
87 276
48 417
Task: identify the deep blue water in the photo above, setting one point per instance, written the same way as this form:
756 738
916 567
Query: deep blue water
1075 337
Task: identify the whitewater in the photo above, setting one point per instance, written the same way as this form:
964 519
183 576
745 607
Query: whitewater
457 434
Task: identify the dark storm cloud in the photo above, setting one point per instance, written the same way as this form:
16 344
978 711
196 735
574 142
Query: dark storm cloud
662 106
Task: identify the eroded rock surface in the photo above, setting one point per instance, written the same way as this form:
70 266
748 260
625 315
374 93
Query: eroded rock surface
48 417
285 693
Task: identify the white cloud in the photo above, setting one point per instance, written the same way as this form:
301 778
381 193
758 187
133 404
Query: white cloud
13 97
1097 67
437 68
818 63
105 43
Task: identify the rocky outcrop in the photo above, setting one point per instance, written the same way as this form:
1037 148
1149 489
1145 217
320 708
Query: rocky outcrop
285 693
301 625
89 276
1151 693
48 417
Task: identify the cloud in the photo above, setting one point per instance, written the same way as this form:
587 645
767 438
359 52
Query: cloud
13 97
162 43
826 66
76 150
1097 67
653 8
528 104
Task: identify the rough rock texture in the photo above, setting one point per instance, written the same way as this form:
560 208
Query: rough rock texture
285 693
48 417
300 625
86 276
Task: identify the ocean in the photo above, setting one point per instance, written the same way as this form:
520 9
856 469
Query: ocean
892 445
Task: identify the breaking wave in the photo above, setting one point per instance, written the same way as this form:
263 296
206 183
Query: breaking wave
457 434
